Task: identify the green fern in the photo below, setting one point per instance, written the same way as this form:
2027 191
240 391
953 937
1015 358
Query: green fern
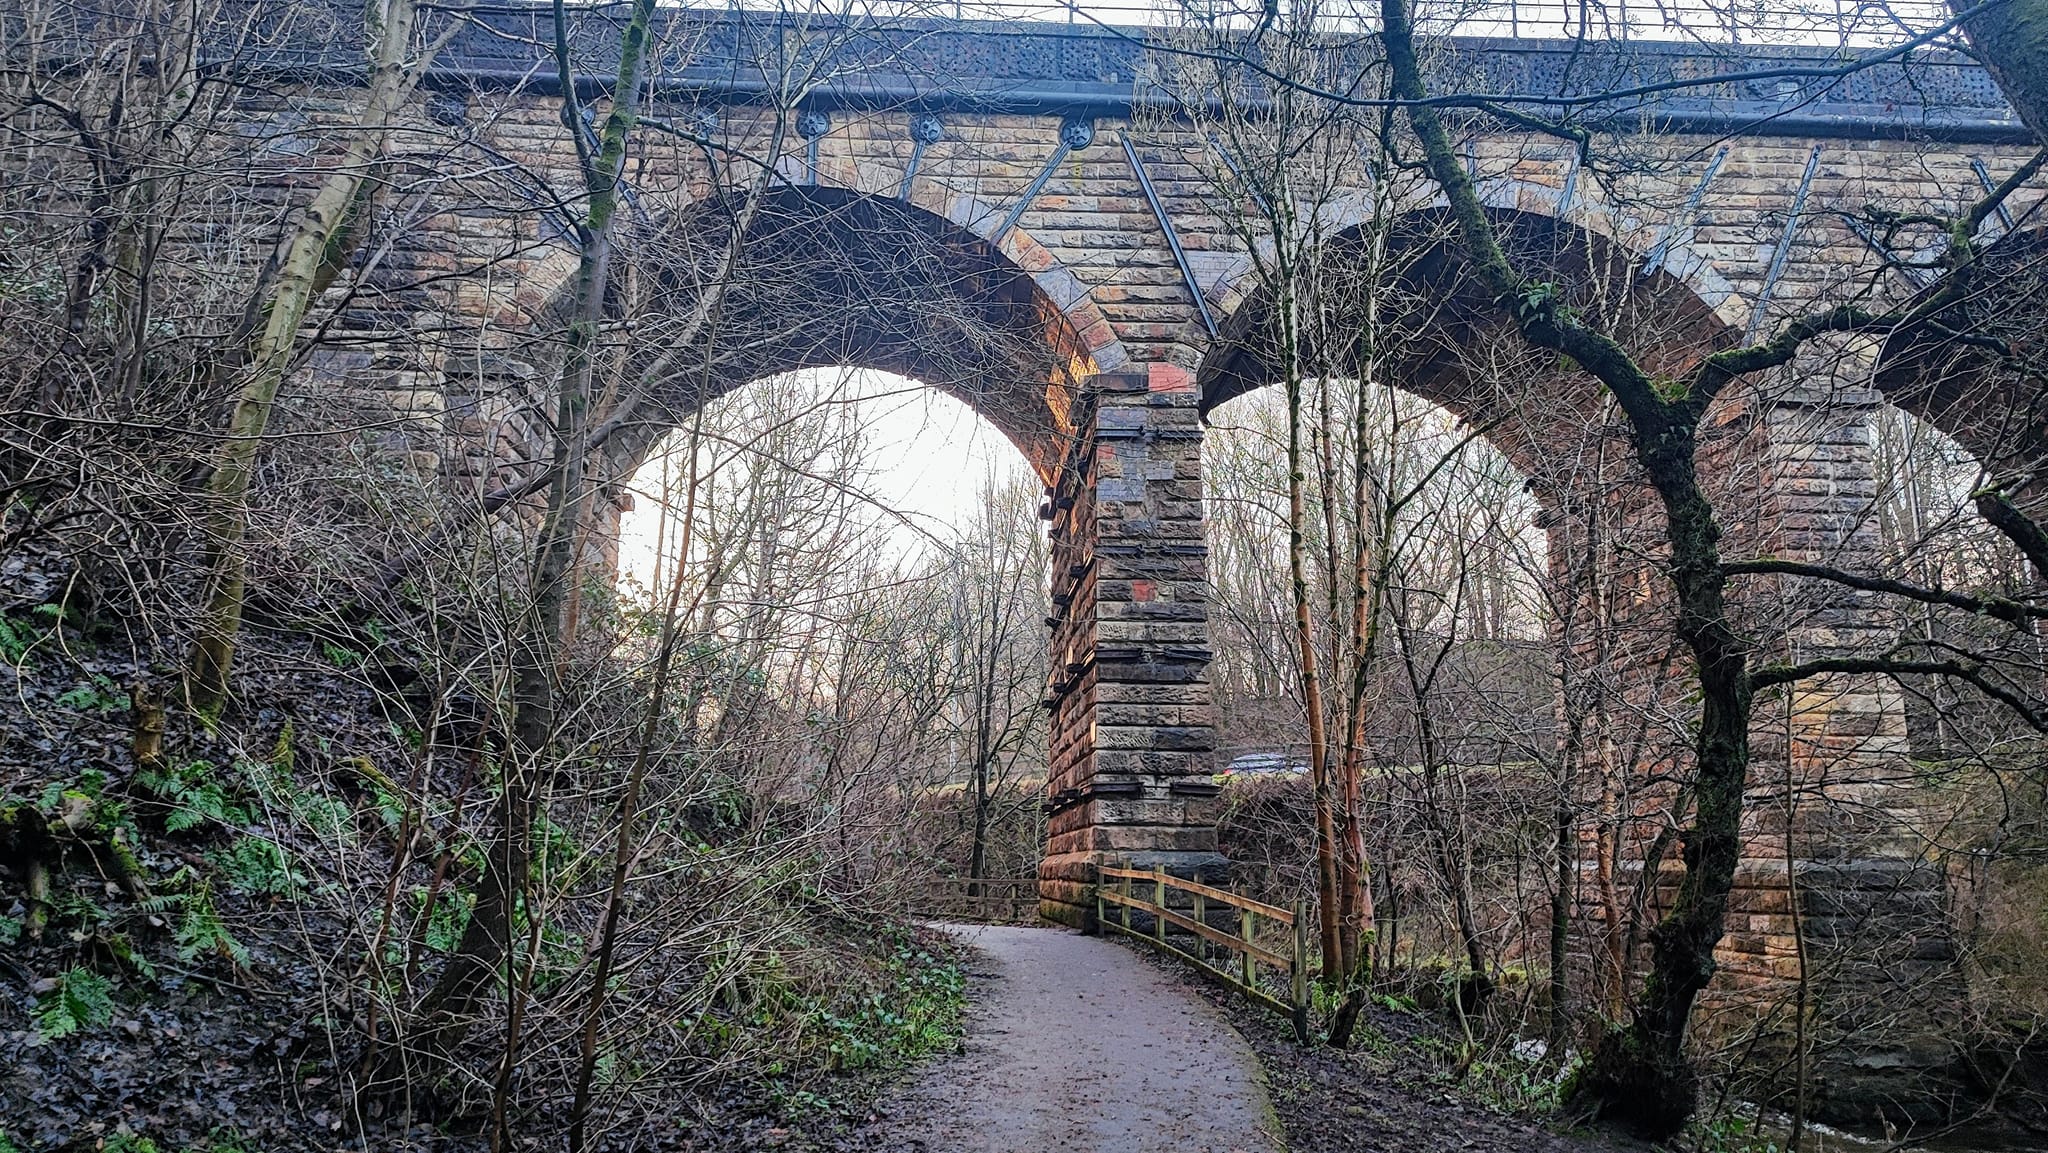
200 931
15 639
74 907
257 867
339 656
124 951
272 784
101 695
195 795
164 904
444 929
77 999
281 752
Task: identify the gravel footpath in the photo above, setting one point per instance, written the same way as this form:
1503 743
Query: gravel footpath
1074 1044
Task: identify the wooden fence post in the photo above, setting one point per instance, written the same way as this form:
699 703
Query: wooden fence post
1159 901
1099 908
1247 927
1201 918
1298 985
1124 887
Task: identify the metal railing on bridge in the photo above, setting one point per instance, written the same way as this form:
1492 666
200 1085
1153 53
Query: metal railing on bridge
1808 23
1182 920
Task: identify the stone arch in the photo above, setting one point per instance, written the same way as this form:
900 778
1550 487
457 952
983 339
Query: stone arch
1762 459
834 277
1932 371
992 319
1556 425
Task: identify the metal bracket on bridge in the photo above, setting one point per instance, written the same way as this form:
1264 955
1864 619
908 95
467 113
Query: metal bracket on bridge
706 123
1661 251
1230 162
1918 277
1180 257
1783 250
924 129
1990 186
812 125
1570 191
1075 133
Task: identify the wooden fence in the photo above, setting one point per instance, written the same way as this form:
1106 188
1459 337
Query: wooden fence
992 900
1193 909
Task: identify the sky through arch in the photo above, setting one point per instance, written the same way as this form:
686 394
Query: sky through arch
915 466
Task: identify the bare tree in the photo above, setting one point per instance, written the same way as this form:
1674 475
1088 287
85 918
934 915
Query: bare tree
1640 1073
309 258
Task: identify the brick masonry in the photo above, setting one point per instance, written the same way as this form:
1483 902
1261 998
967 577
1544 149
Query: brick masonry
1107 403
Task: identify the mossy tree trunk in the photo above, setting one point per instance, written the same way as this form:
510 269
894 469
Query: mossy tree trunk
312 255
2011 38
1639 1074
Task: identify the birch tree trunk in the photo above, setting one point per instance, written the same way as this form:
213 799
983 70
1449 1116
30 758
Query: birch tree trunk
313 254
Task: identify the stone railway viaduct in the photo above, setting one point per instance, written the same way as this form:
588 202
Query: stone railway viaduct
1073 210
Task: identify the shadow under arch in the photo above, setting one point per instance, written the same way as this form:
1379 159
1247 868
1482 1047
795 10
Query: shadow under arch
830 277
1940 371
1444 338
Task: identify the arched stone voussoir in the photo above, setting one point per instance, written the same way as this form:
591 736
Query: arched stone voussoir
1452 345
1668 245
832 276
1066 291
1099 347
1940 369
1678 268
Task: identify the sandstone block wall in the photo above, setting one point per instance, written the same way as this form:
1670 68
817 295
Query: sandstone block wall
1133 732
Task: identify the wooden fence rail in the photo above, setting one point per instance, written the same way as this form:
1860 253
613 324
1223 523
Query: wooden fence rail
995 900
1240 949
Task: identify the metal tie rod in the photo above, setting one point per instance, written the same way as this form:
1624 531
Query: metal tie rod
1180 257
1075 133
1661 251
1784 249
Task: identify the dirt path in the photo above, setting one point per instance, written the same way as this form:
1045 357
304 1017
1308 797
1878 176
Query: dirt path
1074 1044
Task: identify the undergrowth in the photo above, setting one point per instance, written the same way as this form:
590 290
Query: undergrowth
215 930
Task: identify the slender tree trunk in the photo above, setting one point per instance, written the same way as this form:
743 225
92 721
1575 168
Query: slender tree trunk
1329 896
623 851
1373 510
1369 560
1802 1058
488 935
314 255
1348 849
1565 829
